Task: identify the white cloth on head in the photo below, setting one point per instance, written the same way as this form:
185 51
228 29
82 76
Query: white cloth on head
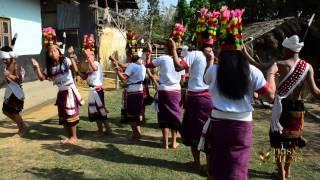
7 55
293 43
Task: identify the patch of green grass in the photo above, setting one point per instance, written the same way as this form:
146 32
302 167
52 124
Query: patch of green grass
39 156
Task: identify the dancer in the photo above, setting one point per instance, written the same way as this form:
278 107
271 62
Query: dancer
288 110
58 69
97 111
14 96
198 100
228 133
169 92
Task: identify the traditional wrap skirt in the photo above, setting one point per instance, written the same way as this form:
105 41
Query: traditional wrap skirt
96 109
197 111
13 105
13 98
229 144
169 115
133 107
291 119
68 116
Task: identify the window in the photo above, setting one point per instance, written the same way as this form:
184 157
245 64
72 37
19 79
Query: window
5 32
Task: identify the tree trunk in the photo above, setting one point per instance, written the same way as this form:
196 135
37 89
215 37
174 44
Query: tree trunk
150 29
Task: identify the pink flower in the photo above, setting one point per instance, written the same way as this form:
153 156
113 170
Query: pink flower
223 8
203 11
214 14
180 28
239 12
226 13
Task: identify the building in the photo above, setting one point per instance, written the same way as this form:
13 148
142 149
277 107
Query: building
24 18
74 17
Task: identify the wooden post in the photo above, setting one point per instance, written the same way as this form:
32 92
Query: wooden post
117 82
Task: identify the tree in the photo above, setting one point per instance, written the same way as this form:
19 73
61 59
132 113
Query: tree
182 12
153 16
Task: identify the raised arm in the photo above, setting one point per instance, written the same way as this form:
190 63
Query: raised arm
115 61
149 57
36 66
312 84
120 73
269 93
176 61
73 57
153 78
12 72
90 58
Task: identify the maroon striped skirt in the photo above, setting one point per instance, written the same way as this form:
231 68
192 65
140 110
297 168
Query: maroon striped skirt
229 144
169 115
64 118
197 111
133 108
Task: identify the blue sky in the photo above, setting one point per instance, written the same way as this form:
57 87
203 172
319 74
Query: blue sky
169 2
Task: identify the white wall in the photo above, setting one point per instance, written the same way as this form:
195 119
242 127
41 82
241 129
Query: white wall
25 18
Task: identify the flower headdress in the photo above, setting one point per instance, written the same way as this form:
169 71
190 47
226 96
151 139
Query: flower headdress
134 45
207 26
230 33
88 42
49 37
202 21
177 33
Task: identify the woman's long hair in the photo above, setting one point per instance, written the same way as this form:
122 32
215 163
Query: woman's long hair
49 62
233 74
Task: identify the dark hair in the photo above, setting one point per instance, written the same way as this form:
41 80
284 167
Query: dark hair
135 58
6 49
49 63
233 74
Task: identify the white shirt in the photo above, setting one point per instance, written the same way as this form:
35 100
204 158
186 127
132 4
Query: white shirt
61 73
225 104
197 63
169 78
95 78
136 74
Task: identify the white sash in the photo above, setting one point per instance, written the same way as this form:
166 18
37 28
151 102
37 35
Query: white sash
13 88
70 101
277 106
95 103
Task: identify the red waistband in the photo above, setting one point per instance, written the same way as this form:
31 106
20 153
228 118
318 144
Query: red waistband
205 92
98 88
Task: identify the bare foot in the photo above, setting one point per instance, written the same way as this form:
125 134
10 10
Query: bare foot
165 146
287 172
136 137
64 141
99 135
73 140
108 130
175 145
22 132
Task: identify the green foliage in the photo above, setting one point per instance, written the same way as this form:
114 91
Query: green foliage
182 12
